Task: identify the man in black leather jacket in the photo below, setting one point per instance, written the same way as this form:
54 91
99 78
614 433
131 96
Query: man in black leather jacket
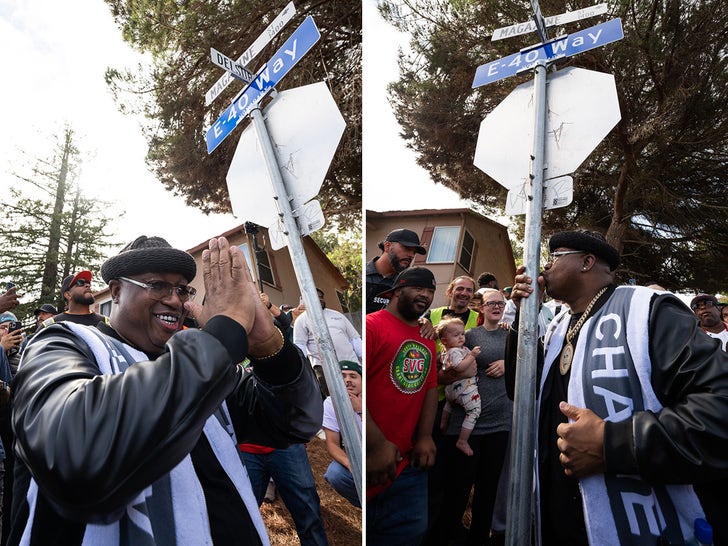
647 395
126 431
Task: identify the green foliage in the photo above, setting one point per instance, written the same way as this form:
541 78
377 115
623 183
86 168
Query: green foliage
345 252
657 185
170 92
48 230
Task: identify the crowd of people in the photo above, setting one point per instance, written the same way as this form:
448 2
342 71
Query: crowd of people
170 418
631 434
163 422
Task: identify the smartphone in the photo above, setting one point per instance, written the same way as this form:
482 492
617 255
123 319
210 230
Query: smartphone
9 285
15 325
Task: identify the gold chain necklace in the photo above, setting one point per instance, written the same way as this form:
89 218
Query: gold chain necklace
567 354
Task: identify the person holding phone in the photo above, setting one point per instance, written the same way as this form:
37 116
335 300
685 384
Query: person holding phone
11 338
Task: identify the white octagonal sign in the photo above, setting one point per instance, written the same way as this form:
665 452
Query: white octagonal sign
582 108
305 127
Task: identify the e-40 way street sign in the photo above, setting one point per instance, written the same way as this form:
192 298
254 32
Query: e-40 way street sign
566 46
297 45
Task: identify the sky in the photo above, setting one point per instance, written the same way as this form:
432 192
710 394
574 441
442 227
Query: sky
53 61
392 178
54 55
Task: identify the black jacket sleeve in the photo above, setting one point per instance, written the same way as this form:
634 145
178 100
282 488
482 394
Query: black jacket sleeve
687 441
92 441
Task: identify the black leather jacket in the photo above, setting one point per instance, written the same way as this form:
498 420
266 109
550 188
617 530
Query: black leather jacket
94 441
687 441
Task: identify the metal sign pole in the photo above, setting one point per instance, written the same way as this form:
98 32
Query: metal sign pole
523 435
332 372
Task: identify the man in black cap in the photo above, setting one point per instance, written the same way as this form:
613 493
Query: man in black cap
398 252
401 406
126 428
44 312
77 293
629 399
708 312
338 474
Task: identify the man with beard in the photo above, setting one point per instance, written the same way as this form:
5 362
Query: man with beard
401 406
632 403
706 309
76 291
398 252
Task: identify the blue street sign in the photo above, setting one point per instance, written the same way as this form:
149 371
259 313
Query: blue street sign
297 45
566 46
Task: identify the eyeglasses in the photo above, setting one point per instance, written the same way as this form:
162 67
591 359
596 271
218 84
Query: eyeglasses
160 289
492 304
700 304
553 256
82 282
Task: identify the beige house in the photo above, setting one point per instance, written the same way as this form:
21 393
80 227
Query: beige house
458 242
274 270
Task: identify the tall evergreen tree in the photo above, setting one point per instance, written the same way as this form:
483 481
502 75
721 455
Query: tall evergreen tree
48 229
171 92
657 185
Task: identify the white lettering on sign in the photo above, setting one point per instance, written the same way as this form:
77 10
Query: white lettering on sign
256 47
554 20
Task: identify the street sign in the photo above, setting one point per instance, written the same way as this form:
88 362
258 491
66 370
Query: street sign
305 126
558 48
562 19
256 47
297 45
557 193
237 71
310 219
582 109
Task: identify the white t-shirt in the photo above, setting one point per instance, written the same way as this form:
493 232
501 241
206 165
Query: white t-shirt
330 421
346 340
722 336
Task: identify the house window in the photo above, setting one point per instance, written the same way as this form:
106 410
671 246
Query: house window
263 271
105 308
444 244
466 251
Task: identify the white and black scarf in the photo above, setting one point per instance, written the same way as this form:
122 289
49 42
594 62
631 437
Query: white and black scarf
610 375
171 511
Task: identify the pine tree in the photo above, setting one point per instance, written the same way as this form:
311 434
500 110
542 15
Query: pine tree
49 230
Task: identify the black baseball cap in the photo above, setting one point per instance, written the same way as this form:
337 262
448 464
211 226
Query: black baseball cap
704 297
45 308
591 242
405 237
412 276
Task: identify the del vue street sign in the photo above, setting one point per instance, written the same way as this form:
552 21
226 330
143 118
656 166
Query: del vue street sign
297 45
565 46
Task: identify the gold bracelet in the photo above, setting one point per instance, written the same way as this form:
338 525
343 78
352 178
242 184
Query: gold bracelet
278 350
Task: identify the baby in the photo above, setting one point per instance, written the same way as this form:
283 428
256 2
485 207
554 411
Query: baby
463 392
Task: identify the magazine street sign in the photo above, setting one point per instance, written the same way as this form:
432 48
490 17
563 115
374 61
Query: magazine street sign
299 43
558 48
256 47
556 20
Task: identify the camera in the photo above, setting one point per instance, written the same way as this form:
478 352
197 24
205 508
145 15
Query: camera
15 325
9 285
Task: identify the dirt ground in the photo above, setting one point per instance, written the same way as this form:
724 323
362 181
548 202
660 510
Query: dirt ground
342 521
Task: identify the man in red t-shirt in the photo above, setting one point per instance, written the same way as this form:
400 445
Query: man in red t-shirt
401 406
